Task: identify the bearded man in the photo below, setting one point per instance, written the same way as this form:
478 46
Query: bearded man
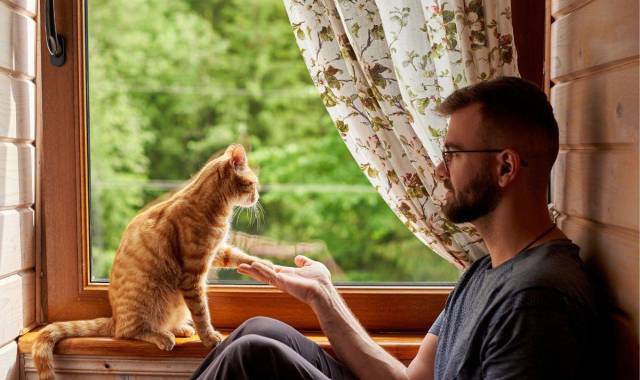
524 311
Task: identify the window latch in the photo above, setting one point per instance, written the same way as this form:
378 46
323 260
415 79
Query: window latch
55 41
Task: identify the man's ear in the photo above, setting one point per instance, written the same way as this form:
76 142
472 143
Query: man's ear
238 156
509 161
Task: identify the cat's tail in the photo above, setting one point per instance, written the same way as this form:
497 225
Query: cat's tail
42 351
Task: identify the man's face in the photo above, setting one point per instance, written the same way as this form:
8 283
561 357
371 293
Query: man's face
469 177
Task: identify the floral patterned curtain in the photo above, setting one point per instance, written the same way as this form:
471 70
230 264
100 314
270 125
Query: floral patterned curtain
381 68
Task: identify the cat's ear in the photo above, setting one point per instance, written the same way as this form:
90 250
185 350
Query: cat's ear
238 156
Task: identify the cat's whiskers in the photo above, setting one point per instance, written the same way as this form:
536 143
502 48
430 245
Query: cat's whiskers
236 214
260 213
252 216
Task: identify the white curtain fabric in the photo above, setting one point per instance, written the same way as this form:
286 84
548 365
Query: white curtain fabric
381 68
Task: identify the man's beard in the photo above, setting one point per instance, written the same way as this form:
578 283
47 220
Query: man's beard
477 199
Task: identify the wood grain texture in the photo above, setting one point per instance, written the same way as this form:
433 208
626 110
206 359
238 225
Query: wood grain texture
562 7
110 368
9 363
377 308
31 6
402 346
599 109
17 108
596 35
599 185
16 241
17 42
17 174
17 305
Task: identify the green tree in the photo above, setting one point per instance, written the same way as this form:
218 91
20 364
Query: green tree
174 82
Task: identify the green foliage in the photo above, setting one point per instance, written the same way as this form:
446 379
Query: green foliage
174 82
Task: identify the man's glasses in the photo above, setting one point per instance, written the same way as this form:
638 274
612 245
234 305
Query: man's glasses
447 155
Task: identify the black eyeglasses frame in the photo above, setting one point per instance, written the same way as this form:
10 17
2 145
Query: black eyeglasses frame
447 152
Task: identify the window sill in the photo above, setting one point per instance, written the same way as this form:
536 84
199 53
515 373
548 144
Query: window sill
404 346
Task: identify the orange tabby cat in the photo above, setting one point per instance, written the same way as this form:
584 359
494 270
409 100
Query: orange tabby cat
159 271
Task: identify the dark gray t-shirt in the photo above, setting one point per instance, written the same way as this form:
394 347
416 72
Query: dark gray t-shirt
532 317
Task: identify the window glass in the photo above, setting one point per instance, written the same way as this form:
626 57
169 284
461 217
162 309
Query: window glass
173 82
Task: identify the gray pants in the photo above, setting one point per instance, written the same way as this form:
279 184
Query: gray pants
265 348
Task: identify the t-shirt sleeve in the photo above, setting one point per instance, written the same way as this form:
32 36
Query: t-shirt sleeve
533 339
435 327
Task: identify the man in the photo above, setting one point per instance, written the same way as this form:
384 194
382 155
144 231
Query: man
525 311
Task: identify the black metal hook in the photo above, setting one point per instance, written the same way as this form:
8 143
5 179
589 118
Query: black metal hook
55 41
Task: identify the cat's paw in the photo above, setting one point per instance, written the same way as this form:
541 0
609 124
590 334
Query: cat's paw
211 339
164 341
184 331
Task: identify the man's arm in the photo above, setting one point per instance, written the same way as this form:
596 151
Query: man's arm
349 340
311 283
422 366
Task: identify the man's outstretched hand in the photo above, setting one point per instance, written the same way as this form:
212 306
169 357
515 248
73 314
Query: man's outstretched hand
304 282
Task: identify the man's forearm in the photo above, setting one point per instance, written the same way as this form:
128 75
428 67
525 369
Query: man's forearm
350 341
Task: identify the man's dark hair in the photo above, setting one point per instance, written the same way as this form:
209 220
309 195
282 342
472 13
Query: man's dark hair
515 113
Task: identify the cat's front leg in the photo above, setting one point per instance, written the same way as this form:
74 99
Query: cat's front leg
229 256
194 292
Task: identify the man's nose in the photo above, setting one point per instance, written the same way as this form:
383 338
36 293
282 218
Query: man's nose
441 170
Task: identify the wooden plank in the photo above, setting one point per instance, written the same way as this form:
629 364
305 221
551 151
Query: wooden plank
600 33
612 253
16 241
100 367
401 345
17 168
9 364
31 6
562 7
600 185
17 108
17 42
599 109
17 305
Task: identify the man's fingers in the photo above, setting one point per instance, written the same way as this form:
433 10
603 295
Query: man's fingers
251 272
265 271
283 269
302 260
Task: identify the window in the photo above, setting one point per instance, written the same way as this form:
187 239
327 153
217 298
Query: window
184 79
64 151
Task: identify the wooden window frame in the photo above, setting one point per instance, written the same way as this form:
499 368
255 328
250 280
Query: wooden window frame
67 292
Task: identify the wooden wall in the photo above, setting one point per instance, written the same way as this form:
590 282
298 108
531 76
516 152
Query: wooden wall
17 176
594 66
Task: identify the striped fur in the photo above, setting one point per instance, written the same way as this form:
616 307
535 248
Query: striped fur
158 279
43 347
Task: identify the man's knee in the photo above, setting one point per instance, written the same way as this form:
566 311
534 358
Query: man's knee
251 347
267 327
248 357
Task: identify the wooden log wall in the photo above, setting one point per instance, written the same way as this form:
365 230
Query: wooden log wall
594 68
17 176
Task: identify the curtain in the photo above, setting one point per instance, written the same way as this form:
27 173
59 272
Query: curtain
381 68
